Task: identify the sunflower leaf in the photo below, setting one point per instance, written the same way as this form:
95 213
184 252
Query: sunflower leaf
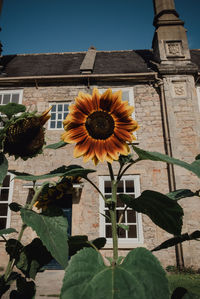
123 226
155 156
140 271
12 108
7 231
52 230
181 193
163 211
77 243
176 240
33 257
3 167
72 170
56 145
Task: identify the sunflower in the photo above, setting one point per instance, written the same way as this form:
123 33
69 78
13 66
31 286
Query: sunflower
100 125
57 194
24 135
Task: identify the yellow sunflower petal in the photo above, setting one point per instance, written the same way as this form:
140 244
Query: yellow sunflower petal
95 160
81 148
75 135
45 116
95 99
109 159
100 150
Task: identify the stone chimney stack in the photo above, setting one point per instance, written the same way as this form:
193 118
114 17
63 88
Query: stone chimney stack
170 44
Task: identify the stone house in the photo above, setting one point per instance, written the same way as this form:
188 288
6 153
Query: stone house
161 83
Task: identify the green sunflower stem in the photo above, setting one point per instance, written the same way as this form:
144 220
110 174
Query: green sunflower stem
113 217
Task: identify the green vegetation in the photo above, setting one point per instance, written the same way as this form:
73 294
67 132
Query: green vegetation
191 282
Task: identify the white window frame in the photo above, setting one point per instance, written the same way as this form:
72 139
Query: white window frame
127 242
10 195
198 96
56 120
12 91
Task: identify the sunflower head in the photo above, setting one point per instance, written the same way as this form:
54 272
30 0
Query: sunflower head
100 125
24 135
55 195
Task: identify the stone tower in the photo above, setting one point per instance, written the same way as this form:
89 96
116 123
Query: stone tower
176 75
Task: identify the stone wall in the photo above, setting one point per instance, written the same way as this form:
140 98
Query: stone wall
153 175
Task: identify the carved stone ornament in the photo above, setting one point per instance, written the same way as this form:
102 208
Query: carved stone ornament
179 89
174 49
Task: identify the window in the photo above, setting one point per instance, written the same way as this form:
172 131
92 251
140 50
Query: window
10 96
129 184
59 112
5 199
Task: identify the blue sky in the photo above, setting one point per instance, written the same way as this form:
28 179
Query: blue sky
39 26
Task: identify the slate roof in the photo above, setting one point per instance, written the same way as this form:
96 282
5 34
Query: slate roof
106 62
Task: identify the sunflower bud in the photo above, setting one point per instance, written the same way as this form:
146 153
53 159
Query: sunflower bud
24 135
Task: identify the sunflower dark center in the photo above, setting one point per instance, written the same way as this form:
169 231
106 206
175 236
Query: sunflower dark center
100 125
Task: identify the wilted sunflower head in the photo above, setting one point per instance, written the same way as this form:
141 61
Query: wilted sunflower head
56 195
24 135
100 125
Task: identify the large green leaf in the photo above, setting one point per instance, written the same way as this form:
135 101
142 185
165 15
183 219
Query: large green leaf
56 145
11 109
140 276
176 240
3 167
52 230
6 231
33 257
180 193
155 156
72 170
163 211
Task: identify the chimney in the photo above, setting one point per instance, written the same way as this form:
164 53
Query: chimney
170 44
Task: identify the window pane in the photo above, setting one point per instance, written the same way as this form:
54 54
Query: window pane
3 209
108 231
66 107
107 187
121 232
53 109
120 188
125 95
65 115
60 106
59 124
132 232
6 181
6 98
4 195
59 115
53 116
130 186
52 125
108 215
131 216
2 223
15 98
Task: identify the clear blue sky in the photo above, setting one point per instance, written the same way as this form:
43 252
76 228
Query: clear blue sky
39 26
